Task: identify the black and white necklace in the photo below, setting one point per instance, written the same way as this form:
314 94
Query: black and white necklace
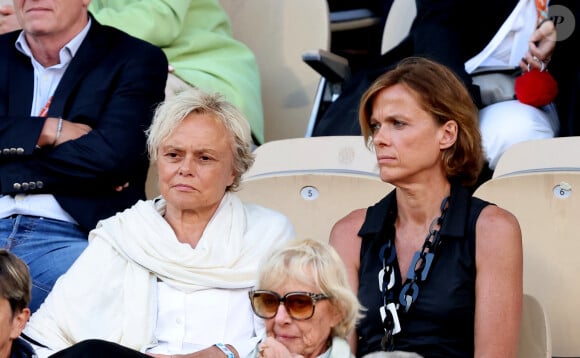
418 272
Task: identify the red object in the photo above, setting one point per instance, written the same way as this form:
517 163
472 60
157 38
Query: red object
536 88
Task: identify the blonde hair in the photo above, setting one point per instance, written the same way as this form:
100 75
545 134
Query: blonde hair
314 263
174 110
442 94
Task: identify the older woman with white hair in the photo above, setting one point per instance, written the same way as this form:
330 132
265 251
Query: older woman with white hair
319 308
170 276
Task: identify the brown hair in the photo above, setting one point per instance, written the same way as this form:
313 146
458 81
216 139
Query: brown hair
442 94
15 282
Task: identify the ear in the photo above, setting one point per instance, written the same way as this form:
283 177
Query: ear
18 322
336 316
232 177
448 134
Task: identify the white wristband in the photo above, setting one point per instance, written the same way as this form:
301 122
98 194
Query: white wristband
225 349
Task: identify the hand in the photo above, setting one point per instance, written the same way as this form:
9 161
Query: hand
271 348
541 46
69 131
209 352
8 21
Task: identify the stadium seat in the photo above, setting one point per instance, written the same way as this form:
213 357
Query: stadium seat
279 32
541 155
398 25
314 181
535 336
547 206
335 70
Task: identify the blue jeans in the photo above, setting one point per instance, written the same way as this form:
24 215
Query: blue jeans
49 247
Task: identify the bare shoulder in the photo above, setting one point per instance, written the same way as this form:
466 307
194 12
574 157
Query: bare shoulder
494 218
344 237
497 229
347 227
345 240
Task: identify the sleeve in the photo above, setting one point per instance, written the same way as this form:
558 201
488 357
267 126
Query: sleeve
438 33
116 98
157 21
256 341
42 352
19 132
196 36
74 311
453 31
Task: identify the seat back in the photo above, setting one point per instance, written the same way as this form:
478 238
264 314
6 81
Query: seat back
541 155
152 183
353 19
279 32
535 337
547 206
314 181
398 23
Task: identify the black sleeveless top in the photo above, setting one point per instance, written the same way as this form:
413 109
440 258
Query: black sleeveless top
440 323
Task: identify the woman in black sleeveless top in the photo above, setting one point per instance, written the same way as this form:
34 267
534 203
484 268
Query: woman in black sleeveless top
439 271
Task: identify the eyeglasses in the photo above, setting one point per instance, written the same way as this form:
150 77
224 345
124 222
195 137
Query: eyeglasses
299 305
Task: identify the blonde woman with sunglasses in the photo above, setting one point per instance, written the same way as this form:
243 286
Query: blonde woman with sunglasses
305 300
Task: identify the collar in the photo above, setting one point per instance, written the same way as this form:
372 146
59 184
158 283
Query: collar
66 53
21 349
453 226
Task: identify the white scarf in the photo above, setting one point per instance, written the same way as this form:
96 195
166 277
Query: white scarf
110 291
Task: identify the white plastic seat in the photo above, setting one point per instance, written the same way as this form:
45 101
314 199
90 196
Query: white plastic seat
547 206
314 181
541 155
535 336
398 23
335 70
279 32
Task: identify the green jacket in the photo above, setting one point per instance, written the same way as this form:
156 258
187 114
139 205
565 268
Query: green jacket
196 37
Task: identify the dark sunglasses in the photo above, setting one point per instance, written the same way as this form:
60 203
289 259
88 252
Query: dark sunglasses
299 305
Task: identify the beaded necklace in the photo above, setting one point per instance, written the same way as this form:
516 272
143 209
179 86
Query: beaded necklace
418 272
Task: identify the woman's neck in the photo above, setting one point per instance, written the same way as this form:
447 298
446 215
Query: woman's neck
421 204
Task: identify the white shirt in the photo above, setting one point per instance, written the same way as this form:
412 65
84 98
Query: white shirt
510 43
189 322
46 80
